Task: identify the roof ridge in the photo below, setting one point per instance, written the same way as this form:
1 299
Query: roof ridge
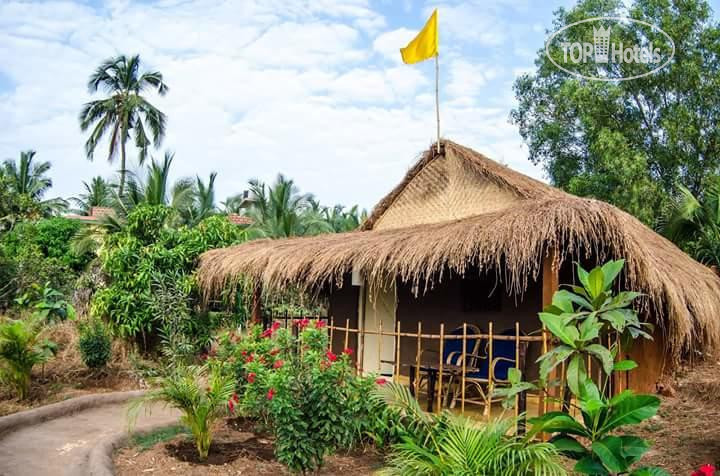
524 186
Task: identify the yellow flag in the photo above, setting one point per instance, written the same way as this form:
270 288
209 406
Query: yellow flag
424 45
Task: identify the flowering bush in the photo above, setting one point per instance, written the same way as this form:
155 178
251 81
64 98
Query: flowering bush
705 470
307 395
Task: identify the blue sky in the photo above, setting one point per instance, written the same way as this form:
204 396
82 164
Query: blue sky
313 89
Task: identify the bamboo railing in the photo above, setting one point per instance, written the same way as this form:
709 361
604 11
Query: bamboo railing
416 367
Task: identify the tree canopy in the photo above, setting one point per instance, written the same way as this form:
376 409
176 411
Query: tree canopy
631 143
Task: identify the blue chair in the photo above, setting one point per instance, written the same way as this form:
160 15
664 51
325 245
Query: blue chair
477 378
452 355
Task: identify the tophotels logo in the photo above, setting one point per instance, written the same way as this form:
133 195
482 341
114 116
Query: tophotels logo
652 48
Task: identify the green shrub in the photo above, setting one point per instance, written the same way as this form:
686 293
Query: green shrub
52 306
447 445
202 394
95 344
21 349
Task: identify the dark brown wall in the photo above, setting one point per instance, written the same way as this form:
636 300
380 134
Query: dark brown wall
444 304
343 305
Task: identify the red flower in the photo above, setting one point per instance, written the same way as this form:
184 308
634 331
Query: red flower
302 323
251 377
278 364
381 381
319 324
267 333
249 358
231 405
274 351
235 397
705 470
331 357
275 326
243 353
270 394
348 351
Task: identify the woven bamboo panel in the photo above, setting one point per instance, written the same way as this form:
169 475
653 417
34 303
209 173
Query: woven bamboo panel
448 188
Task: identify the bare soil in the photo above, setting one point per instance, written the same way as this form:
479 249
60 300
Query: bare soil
685 434
236 450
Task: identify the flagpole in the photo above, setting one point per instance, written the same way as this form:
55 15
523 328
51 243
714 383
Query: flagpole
437 98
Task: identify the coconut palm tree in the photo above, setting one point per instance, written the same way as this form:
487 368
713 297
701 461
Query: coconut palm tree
155 189
98 193
29 179
693 223
202 202
280 211
341 220
125 112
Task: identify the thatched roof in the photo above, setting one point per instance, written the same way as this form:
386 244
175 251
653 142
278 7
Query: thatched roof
515 234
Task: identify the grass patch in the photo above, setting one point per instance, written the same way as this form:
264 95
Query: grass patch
146 441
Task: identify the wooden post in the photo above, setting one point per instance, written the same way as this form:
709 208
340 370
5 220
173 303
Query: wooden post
550 284
397 353
417 359
517 367
361 345
332 330
488 404
542 404
440 368
256 313
347 333
521 401
380 339
464 367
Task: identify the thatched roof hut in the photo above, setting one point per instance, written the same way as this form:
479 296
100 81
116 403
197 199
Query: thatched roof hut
459 209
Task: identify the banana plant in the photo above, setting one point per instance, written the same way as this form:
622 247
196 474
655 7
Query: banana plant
579 317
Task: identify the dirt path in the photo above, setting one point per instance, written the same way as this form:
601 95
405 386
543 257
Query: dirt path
60 447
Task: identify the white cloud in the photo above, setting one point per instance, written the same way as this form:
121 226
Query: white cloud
313 89
469 79
389 43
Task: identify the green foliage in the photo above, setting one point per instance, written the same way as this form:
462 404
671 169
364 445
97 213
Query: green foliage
448 445
37 255
311 399
21 349
202 394
95 344
53 307
280 211
98 193
693 223
28 182
144 251
15 207
581 318
627 142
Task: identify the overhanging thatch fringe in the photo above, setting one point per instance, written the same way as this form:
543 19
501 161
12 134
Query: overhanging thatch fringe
684 293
